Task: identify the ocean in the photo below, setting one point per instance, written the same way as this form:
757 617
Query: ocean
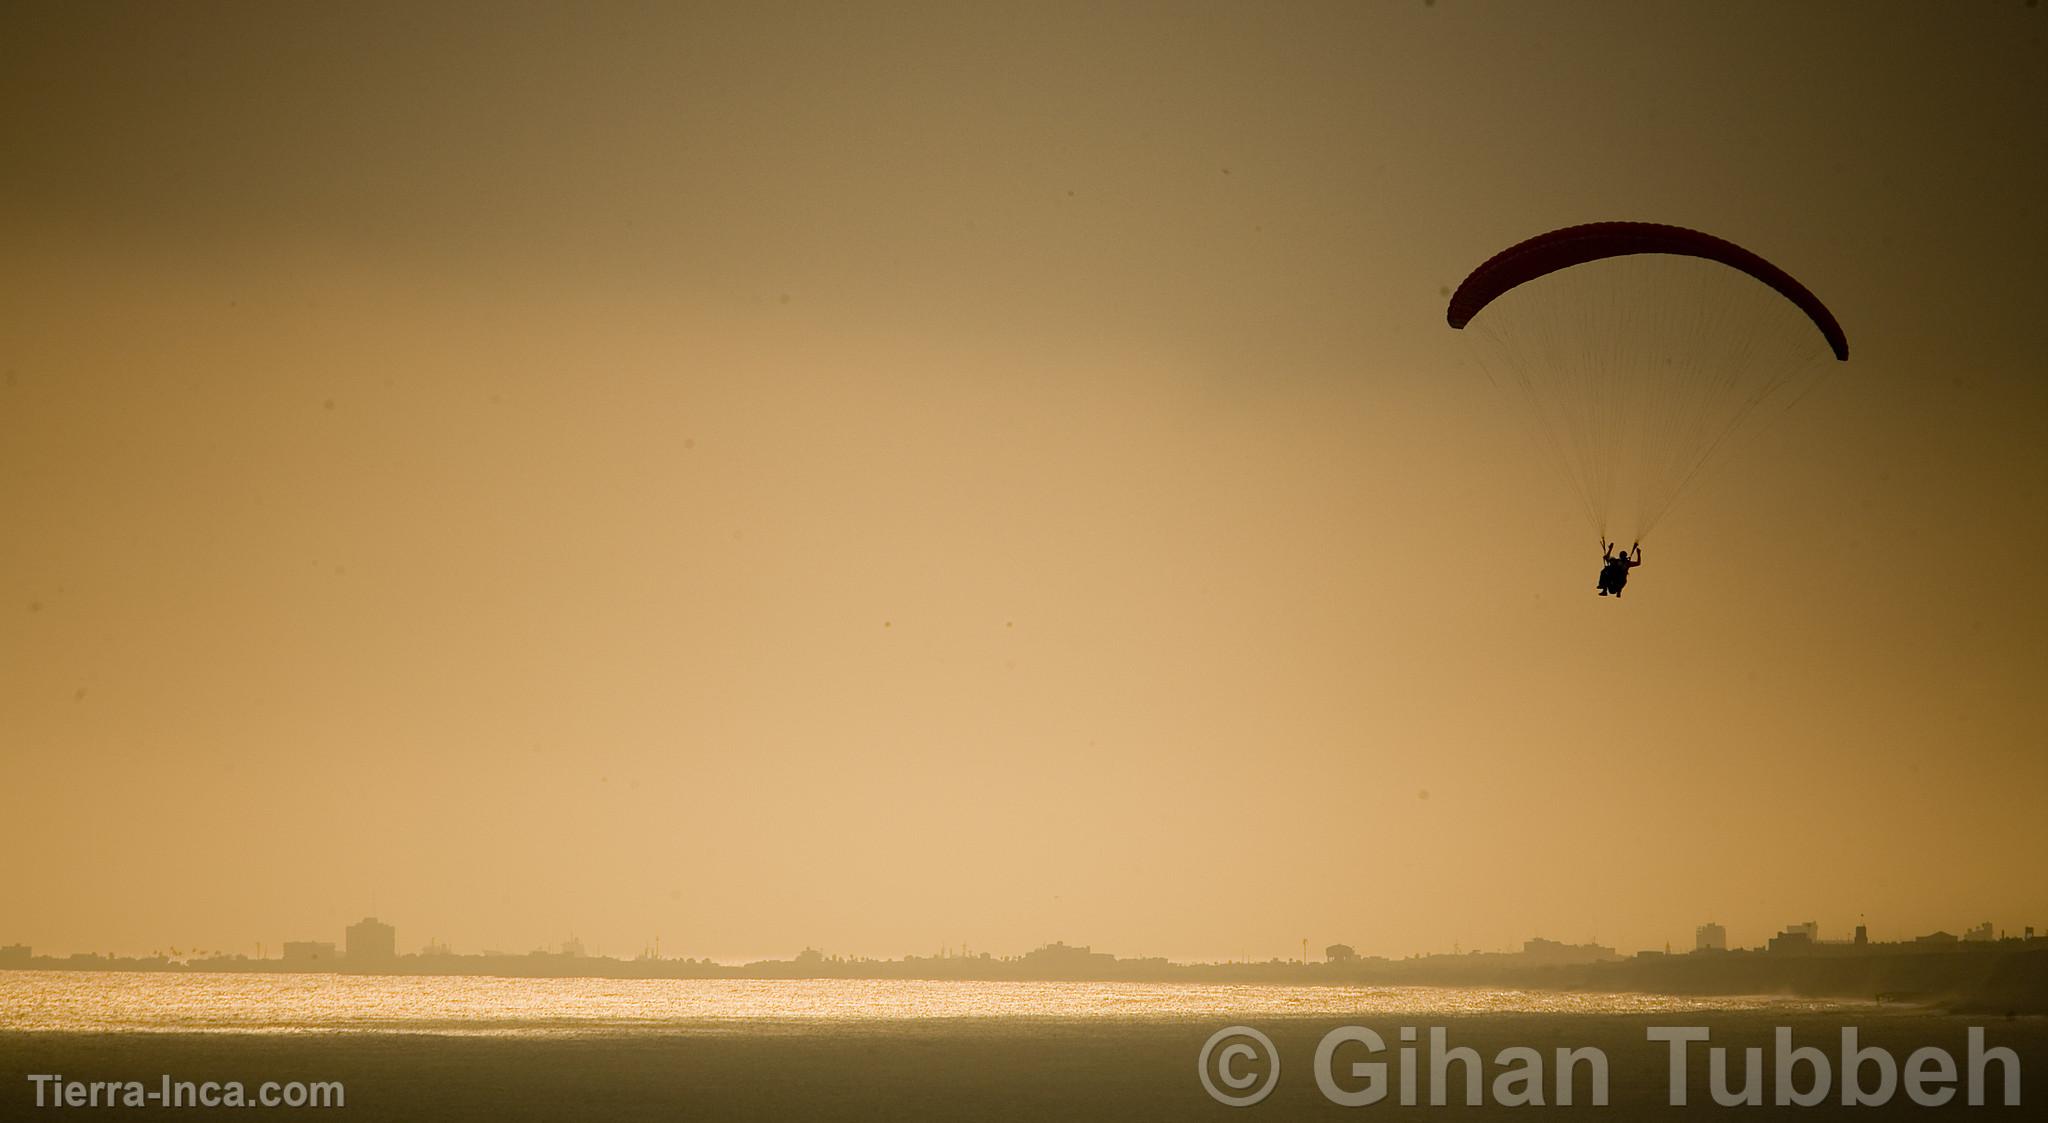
427 1048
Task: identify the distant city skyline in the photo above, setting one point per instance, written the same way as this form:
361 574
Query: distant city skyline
372 942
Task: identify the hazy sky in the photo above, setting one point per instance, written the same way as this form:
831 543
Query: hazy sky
884 476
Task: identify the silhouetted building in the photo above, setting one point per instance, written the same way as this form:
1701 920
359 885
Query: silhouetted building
1540 950
1710 937
309 951
1060 958
1862 936
14 955
372 941
1797 938
1340 953
1809 929
1936 938
1979 934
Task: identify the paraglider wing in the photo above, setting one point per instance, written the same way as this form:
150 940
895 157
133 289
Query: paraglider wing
1639 352
1577 245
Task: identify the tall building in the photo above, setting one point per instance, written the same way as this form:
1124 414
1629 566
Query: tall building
1710 937
371 941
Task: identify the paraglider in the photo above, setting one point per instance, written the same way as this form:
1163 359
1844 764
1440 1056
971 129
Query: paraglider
1639 353
1614 567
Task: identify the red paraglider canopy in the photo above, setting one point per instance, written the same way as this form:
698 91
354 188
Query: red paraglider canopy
1576 245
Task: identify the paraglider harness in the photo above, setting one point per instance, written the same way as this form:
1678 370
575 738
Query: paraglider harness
1614 573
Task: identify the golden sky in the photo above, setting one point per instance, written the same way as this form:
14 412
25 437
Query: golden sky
890 476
